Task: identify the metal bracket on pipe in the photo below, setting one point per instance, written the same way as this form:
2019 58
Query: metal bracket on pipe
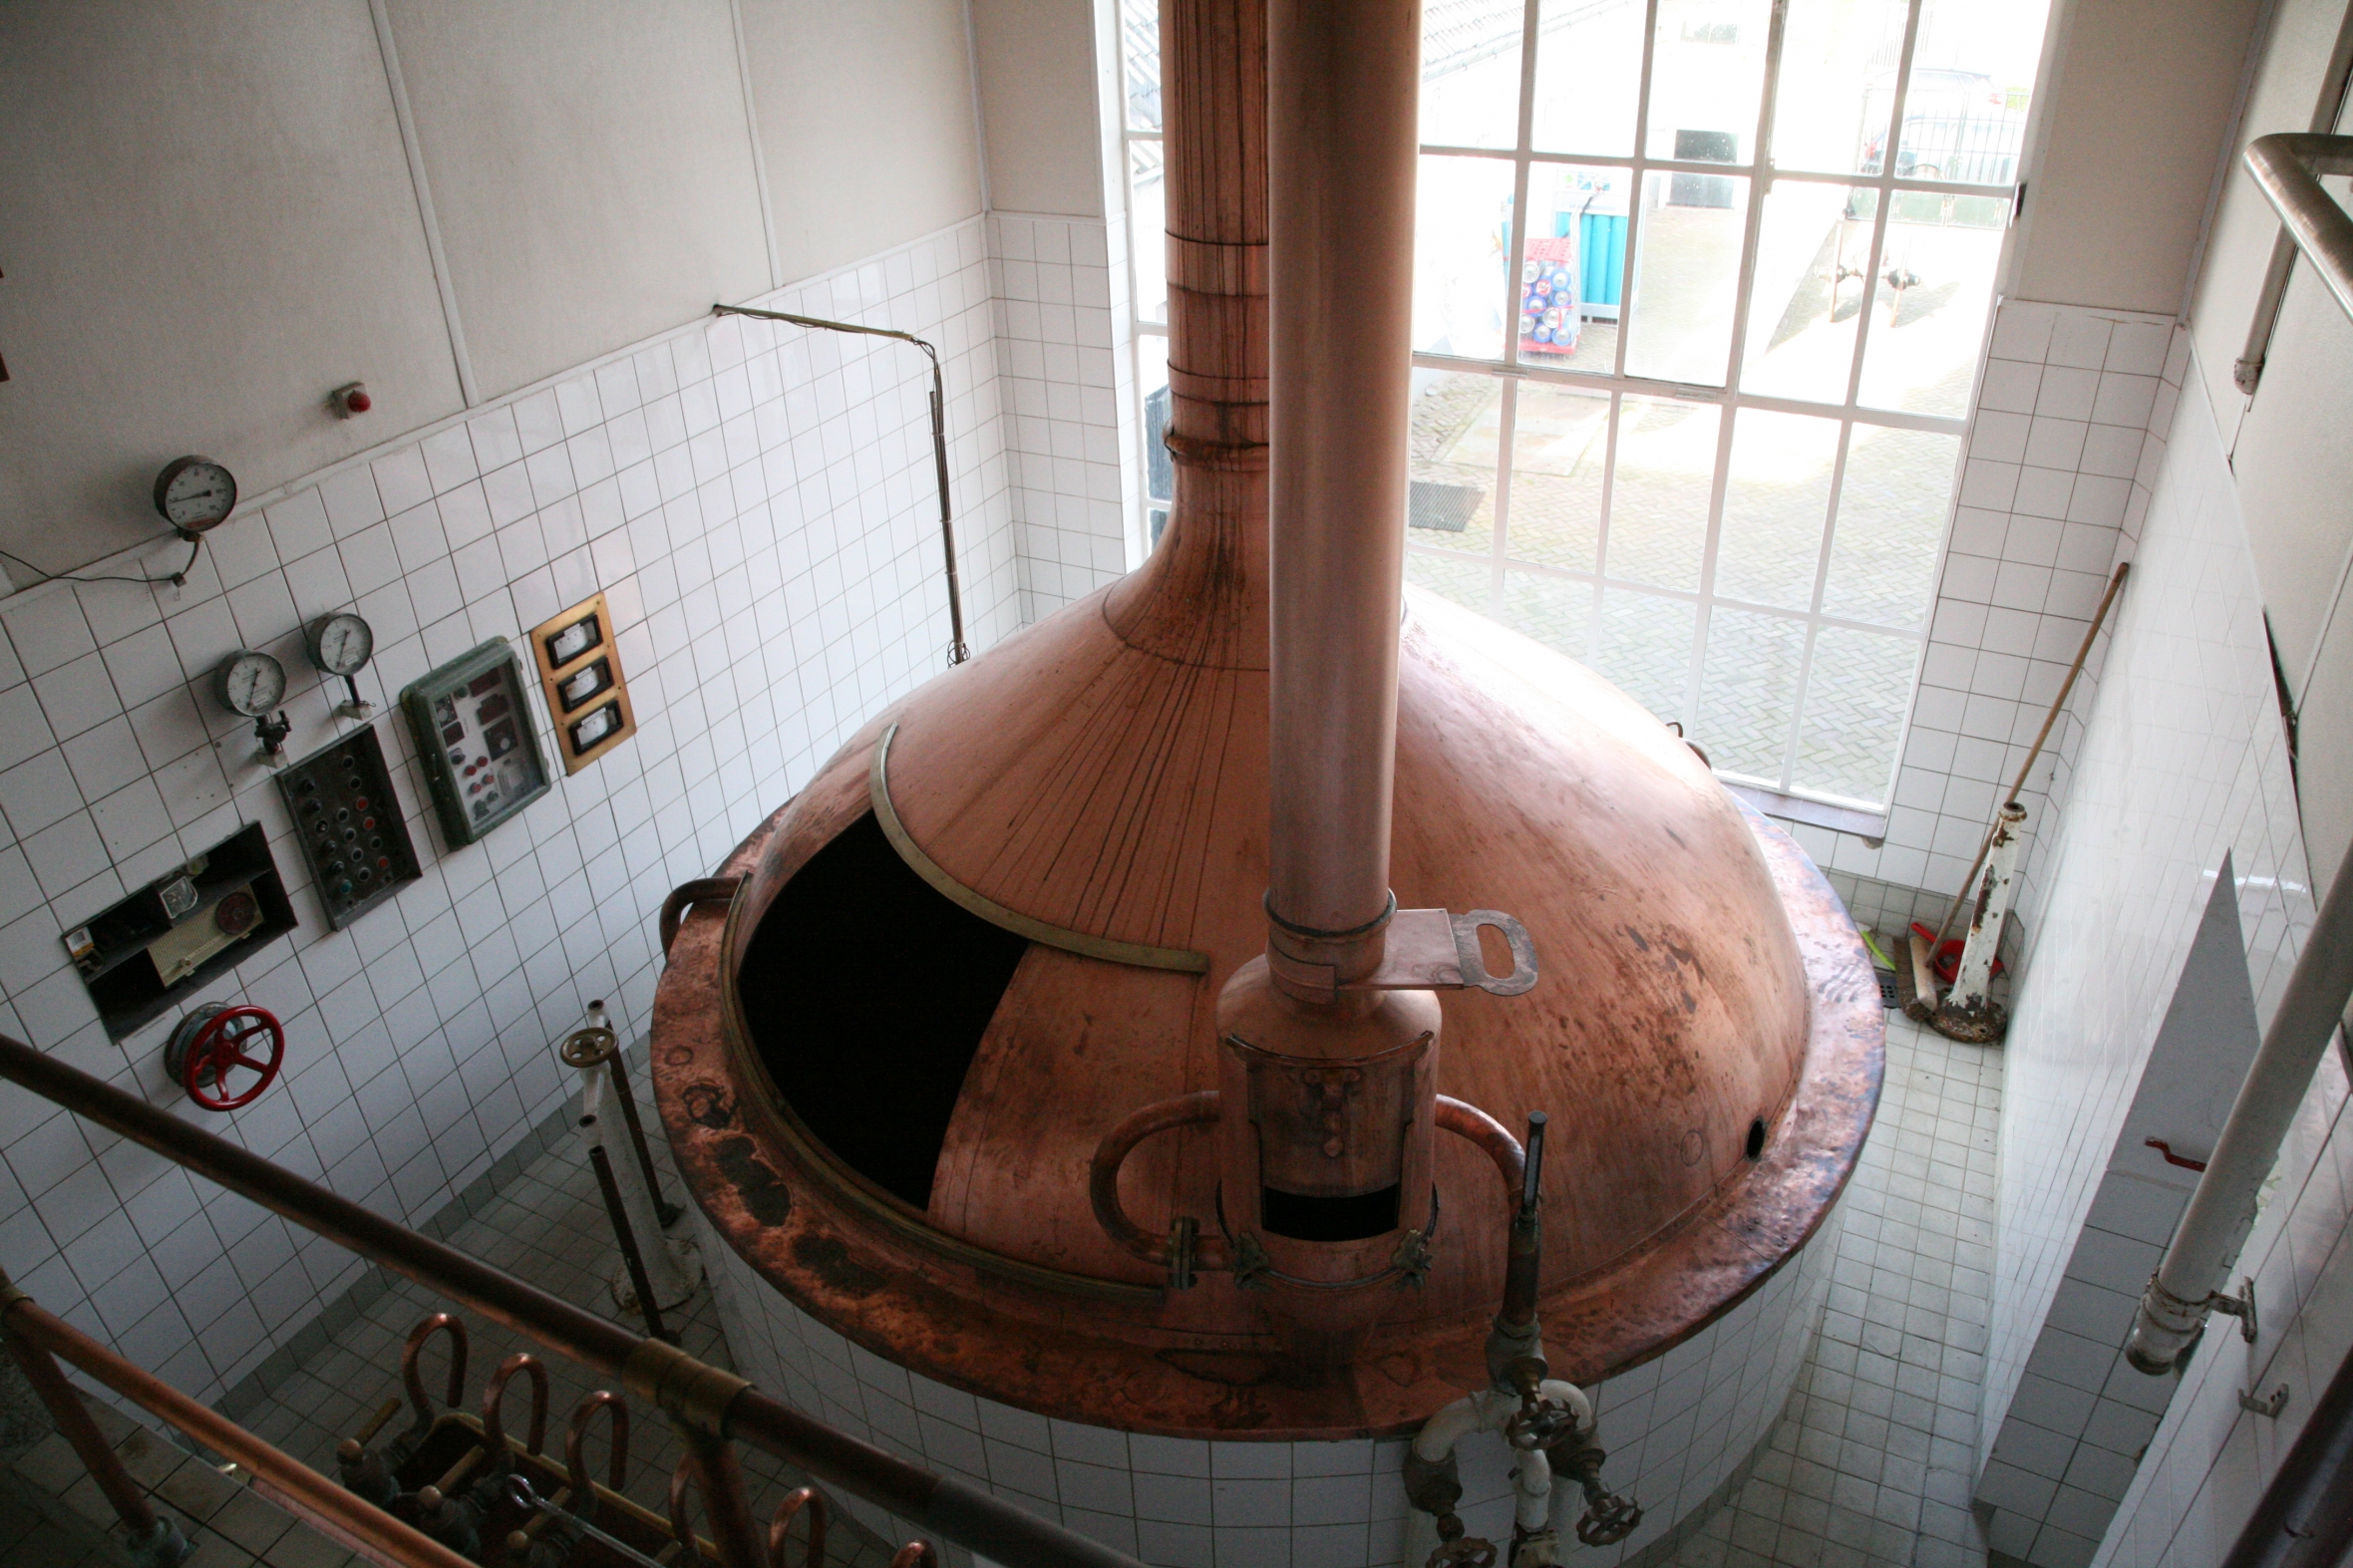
2241 1305
1434 950
2270 1404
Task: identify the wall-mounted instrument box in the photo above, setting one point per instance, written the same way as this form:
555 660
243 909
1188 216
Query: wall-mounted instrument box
581 669
164 941
473 725
348 822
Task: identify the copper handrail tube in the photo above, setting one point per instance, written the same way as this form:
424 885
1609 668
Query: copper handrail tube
689 1390
123 1493
291 1484
1343 92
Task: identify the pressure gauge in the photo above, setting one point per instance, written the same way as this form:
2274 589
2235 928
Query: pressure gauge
195 494
341 644
249 683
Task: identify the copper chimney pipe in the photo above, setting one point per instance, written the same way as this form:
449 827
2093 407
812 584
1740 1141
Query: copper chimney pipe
1344 84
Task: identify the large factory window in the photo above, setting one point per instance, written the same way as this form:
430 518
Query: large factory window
1696 421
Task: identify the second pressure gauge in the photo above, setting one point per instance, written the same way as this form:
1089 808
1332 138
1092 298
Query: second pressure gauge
341 644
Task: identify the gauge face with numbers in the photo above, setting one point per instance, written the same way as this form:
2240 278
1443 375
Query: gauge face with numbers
341 644
194 493
249 683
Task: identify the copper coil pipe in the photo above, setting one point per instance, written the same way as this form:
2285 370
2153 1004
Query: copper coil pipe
286 1481
1343 92
961 1513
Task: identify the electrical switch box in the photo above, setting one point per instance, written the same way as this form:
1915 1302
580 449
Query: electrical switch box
349 823
581 669
475 740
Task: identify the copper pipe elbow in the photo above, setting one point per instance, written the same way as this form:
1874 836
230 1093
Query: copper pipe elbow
1103 1184
1465 1121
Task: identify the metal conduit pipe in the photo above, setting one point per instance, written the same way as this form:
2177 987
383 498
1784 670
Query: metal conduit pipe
2287 170
2247 370
1344 86
2182 1291
703 1397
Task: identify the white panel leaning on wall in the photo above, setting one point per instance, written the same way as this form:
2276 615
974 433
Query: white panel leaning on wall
758 505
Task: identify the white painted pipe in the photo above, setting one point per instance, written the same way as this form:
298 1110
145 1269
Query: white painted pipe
1492 1410
1975 975
672 1265
2221 1211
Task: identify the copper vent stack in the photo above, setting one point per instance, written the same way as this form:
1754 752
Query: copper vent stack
1062 1042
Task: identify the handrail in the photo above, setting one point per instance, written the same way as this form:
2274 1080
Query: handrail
317 1500
700 1398
2287 170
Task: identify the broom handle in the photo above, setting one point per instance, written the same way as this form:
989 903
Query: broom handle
2099 617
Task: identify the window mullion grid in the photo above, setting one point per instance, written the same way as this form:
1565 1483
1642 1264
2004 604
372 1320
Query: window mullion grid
1515 262
1505 418
1884 183
1634 175
1814 603
1760 167
1609 449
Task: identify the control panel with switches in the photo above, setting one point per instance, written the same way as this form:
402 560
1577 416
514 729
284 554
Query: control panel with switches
475 737
349 823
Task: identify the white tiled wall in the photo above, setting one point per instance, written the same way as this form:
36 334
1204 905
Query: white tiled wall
757 502
1676 1428
2182 760
2055 480
1070 403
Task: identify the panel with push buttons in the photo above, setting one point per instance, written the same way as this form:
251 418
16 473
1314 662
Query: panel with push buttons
349 823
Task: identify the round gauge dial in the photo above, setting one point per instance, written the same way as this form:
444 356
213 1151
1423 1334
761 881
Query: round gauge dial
194 493
249 683
341 644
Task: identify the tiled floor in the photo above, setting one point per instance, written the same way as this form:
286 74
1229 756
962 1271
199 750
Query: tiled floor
1872 1464
1869 1468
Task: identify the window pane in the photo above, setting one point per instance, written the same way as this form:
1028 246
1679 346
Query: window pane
1588 75
1140 37
1554 611
1811 254
1455 440
1964 111
1856 696
1160 474
1686 269
1775 502
1470 72
1838 60
1147 220
1930 301
1462 236
1559 452
1892 509
1707 79
1644 645
1573 274
1658 503
1465 582
1748 691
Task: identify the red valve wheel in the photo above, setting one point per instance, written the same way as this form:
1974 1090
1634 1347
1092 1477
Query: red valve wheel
214 1042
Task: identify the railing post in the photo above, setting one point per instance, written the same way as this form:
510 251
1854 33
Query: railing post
720 1478
155 1541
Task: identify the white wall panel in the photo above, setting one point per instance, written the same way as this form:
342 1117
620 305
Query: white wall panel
207 223
591 169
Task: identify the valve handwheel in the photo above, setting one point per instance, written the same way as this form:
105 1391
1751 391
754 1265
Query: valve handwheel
217 1042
